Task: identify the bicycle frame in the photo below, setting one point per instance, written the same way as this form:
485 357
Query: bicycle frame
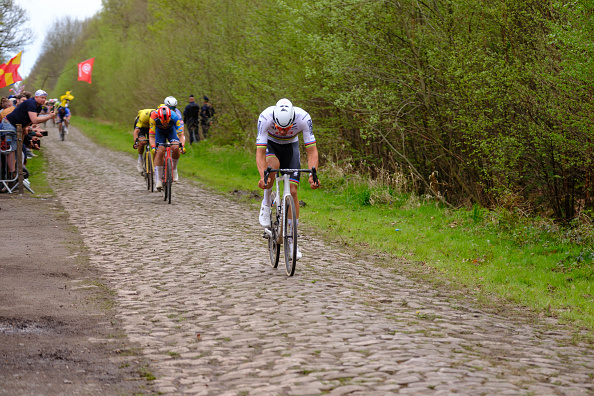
280 203
284 175
283 222
166 178
148 164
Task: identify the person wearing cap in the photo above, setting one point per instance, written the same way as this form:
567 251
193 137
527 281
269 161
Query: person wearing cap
191 114
25 114
206 114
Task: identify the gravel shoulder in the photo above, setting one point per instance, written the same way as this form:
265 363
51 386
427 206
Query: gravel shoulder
58 331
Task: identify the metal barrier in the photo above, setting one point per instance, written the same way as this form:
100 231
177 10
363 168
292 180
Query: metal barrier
10 181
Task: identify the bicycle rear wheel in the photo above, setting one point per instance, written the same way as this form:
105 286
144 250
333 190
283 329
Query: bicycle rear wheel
169 178
273 246
290 236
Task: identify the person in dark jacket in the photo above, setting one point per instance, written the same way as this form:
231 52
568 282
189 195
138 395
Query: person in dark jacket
191 115
206 114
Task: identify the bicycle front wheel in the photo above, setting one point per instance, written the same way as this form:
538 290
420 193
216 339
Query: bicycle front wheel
62 131
290 236
273 245
149 171
164 180
169 178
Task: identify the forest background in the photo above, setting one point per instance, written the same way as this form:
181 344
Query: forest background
494 96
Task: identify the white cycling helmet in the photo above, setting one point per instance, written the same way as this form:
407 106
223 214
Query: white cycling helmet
170 101
283 113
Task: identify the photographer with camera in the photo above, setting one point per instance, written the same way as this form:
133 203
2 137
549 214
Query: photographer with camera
25 114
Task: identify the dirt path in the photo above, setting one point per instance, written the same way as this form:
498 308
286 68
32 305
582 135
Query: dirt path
194 290
56 335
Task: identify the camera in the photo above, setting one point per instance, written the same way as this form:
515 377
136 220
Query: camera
43 133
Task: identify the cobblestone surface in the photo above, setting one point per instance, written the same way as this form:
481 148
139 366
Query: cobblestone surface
194 288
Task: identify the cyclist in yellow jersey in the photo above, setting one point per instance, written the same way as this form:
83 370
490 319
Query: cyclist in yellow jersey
141 129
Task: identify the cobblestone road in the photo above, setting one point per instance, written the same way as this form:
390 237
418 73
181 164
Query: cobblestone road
340 326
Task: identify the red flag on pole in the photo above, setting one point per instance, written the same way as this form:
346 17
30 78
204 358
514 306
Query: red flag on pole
85 69
9 71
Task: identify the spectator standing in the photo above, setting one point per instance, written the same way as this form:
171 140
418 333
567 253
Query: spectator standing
206 114
191 114
7 108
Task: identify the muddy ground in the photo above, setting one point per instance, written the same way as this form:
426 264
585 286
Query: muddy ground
58 333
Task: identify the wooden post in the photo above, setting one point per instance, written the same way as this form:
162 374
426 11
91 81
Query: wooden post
19 160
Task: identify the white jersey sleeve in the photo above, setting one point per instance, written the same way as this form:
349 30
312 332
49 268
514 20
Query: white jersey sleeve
267 130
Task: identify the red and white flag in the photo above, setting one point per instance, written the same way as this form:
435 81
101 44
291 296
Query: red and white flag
85 69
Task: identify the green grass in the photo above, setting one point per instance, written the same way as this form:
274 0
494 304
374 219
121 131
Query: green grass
37 176
529 262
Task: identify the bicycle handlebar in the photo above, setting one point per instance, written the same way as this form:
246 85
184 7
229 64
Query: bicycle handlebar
169 144
269 170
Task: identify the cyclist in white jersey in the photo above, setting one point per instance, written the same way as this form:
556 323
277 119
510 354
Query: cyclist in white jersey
278 147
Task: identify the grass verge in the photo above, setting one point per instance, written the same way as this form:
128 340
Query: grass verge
37 175
530 262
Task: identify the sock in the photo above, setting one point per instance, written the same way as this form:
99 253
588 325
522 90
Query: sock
267 197
158 170
290 221
174 161
139 157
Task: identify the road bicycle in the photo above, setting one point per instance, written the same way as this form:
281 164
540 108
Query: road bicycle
283 210
148 166
62 129
167 177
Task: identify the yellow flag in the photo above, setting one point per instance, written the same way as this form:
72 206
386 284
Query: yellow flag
66 98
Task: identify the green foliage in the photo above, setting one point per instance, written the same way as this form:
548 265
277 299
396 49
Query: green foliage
495 96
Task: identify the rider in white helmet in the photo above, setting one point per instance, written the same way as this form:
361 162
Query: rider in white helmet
171 102
278 147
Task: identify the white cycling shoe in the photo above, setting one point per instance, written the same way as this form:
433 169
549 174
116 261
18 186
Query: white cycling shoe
159 185
265 216
299 255
175 176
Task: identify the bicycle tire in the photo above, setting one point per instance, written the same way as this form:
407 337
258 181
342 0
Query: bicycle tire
273 245
164 181
150 171
144 170
290 259
62 131
169 178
